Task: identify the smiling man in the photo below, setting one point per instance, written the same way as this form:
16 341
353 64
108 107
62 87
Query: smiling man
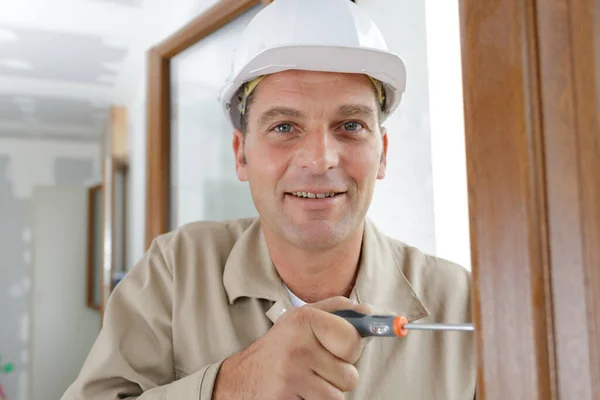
312 149
242 309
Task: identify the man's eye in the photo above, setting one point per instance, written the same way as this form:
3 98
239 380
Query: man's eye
284 128
353 126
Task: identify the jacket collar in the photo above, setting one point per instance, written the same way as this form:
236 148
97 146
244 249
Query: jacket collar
249 272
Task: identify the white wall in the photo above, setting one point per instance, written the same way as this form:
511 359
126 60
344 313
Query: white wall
422 201
32 161
25 164
450 195
427 133
403 201
63 329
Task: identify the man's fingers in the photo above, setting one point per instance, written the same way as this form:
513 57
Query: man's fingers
339 373
346 346
335 334
314 387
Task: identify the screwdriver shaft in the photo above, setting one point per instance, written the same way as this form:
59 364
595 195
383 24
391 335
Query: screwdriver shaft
439 327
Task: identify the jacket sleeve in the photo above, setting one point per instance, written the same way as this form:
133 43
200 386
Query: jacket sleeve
132 357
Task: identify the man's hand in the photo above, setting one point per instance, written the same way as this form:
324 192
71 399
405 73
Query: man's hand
308 354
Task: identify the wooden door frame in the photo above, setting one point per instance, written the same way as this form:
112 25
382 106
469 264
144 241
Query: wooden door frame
532 134
158 107
531 92
92 223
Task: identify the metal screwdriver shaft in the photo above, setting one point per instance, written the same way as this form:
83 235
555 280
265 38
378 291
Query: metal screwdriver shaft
439 327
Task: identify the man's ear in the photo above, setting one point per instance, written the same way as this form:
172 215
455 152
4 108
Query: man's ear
383 160
240 156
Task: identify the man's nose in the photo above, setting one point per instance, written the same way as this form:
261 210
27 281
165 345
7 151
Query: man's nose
318 152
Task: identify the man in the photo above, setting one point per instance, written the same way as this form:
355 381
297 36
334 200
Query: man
218 310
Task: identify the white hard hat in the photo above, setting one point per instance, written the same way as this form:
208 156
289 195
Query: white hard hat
313 35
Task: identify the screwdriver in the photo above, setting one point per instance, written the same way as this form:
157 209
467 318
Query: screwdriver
392 325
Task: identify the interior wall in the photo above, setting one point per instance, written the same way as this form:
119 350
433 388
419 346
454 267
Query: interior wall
24 164
449 166
403 202
424 200
63 328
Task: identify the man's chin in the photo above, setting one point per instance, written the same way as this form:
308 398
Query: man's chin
318 234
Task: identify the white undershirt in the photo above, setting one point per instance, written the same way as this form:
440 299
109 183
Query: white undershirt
296 301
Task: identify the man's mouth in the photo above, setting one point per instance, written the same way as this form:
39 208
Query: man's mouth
310 195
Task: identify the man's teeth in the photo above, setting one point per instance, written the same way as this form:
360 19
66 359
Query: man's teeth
314 195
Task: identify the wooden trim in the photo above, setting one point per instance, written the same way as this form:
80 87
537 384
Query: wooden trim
158 146
90 248
203 25
159 106
118 166
585 36
125 169
119 142
570 91
507 222
533 158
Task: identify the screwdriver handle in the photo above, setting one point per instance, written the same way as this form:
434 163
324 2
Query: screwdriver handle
374 325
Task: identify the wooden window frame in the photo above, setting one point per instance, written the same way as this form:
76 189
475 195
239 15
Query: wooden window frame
159 107
532 133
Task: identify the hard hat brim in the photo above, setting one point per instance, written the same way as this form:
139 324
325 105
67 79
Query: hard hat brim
381 65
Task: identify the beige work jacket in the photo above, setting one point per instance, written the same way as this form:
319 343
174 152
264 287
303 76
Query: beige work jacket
209 289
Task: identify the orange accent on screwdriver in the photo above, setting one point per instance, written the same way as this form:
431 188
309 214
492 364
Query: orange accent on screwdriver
399 326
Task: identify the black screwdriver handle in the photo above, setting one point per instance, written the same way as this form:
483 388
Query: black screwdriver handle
374 325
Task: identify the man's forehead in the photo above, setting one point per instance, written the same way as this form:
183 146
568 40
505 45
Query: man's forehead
326 88
300 77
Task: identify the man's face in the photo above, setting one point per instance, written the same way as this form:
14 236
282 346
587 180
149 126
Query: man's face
313 150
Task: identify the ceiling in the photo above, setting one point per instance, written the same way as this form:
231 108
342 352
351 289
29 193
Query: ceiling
64 62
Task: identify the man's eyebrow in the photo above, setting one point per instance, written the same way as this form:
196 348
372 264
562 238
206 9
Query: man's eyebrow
350 110
279 111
